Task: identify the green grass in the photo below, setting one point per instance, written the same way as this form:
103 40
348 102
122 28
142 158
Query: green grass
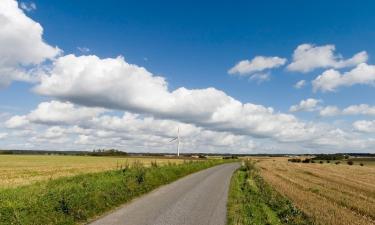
254 202
77 199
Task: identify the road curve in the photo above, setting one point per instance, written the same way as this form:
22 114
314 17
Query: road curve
197 199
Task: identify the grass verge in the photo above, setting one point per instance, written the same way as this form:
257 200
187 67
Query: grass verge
73 200
253 202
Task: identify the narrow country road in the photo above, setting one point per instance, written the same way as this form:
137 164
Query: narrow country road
197 199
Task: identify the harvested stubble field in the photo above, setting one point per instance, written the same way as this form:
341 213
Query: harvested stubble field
330 194
16 170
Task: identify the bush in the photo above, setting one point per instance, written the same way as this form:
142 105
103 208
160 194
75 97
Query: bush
312 161
321 162
361 164
350 162
328 161
295 160
307 160
337 163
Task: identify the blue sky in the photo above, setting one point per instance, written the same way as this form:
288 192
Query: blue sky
193 45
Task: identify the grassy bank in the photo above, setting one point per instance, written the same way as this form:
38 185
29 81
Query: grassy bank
252 201
72 200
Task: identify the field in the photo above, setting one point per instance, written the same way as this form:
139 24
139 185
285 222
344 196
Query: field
16 170
330 194
80 198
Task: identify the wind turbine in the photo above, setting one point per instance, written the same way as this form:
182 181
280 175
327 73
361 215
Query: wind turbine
178 141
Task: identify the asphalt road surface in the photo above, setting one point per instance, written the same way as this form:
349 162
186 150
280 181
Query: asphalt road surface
197 199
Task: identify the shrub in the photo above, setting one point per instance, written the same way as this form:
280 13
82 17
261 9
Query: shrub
312 161
337 163
307 160
328 161
295 160
350 162
321 162
361 164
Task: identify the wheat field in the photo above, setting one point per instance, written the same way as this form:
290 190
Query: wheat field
16 170
330 194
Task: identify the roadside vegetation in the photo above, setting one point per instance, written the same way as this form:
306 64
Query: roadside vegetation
77 199
17 170
253 202
329 193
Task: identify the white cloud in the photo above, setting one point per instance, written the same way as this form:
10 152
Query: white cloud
3 135
54 112
113 83
362 109
331 79
329 111
257 64
83 50
300 84
28 6
21 44
260 77
307 57
364 126
17 122
308 105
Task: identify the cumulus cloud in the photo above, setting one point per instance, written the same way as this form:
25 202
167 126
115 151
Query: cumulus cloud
307 105
113 83
361 109
300 84
329 111
331 79
307 57
54 112
364 126
21 44
257 64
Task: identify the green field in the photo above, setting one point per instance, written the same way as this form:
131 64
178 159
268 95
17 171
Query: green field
16 170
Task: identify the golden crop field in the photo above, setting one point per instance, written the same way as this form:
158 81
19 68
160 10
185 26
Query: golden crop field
330 194
16 170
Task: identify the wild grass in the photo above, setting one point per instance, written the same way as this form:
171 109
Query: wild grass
77 199
253 202
330 194
17 170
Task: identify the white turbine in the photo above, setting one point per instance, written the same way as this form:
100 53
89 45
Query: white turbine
178 141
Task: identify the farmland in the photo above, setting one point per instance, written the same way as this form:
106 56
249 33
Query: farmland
80 198
16 170
330 194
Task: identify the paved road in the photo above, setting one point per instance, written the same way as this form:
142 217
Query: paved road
198 199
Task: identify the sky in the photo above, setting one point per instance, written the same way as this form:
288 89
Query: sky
233 77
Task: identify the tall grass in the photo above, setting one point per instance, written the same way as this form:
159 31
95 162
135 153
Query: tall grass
253 202
76 199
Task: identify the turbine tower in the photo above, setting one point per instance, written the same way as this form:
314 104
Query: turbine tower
178 141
